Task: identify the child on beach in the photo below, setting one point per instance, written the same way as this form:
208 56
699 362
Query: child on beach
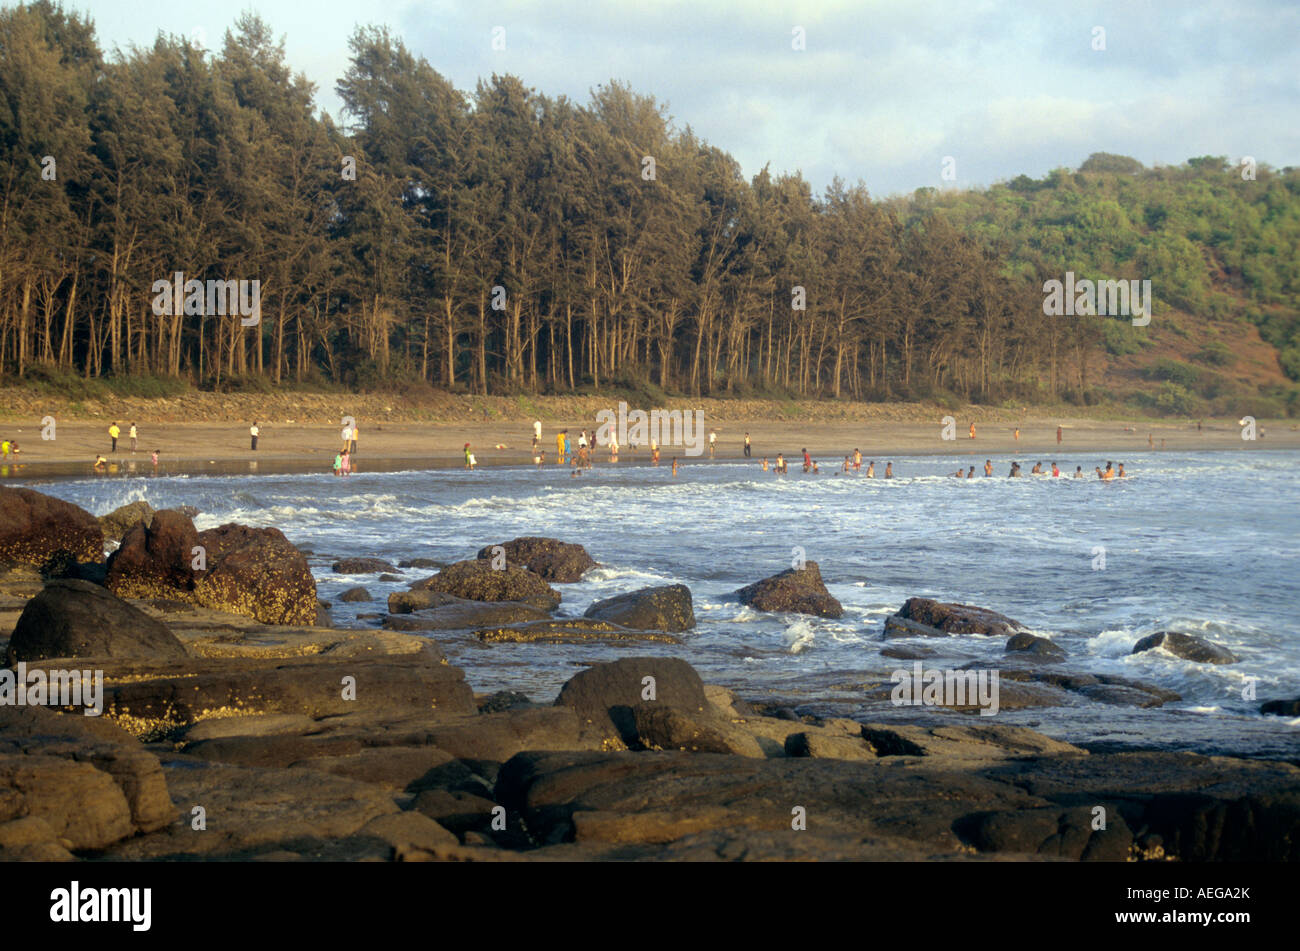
345 462
100 462
470 461
338 463
153 457
765 463
781 466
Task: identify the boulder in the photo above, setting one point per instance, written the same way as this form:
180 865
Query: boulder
1281 708
78 619
362 566
1187 646
355 594
156 558
549 558
957 618
820 745
603 695
1038 648
256 572
664 608
660 727
798 590
121 520
36 527
477 580
421 563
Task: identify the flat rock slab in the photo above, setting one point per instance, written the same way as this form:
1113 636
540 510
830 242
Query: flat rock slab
664 608
456 614
567 630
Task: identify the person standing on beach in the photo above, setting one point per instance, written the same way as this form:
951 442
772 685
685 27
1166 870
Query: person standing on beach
654 453
253 433
153 457
613 446
113 433
537 433
1017 434
133 434
747 449
568 445
352 441
1058 435
470 461
1151 443
713 441
972 429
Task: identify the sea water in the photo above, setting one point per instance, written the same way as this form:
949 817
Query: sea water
1204 543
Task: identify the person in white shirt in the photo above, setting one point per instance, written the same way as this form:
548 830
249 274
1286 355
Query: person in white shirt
253 432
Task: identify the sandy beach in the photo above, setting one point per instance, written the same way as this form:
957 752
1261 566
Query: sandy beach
283 446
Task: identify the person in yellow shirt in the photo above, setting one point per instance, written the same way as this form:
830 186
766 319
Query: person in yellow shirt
352 441
559 447
113 433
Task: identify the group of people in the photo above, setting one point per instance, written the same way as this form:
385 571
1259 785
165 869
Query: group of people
9 448
1104 474
343 459
115 432
852 463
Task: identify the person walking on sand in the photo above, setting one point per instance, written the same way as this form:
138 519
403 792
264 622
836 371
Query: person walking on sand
133 434
747 447
972 430
1017 434
1058 435
113 433
253 433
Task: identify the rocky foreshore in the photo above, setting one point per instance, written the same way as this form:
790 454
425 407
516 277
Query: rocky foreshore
236 724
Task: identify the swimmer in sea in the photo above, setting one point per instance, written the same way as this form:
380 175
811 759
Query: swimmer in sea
857 460
1110 470
871 470
971 474
1100 474
674 467
1121 470
765 463
889 470
988 467
780 466
1078 472
1015 471
1055 471
807 460
1037 469
815 470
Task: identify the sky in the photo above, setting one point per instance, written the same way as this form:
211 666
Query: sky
901 95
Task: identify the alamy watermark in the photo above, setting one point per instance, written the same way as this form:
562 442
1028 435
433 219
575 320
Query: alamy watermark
213 299
1101 298
659 427
946 688
54 688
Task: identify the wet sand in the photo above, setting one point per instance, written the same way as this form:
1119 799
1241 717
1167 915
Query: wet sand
220 448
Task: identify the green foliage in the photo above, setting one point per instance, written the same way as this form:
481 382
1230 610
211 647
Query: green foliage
1215 354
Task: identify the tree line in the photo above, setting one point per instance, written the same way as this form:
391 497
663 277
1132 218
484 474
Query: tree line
494 241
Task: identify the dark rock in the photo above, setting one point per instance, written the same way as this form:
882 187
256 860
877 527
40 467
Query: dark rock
121 520
663 608
79 619
1066 834
1187 646
799 590
824 746
421 563
362 566
390 579
156 558
896 626
550 559
477 580
355 594
503 700
1281 708
603 695
1034 646
958 618
906 653
35 527
661 727
256 572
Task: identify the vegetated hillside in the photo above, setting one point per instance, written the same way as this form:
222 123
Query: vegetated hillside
502 241
1218 239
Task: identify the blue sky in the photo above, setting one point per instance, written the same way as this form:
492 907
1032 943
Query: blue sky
883 92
